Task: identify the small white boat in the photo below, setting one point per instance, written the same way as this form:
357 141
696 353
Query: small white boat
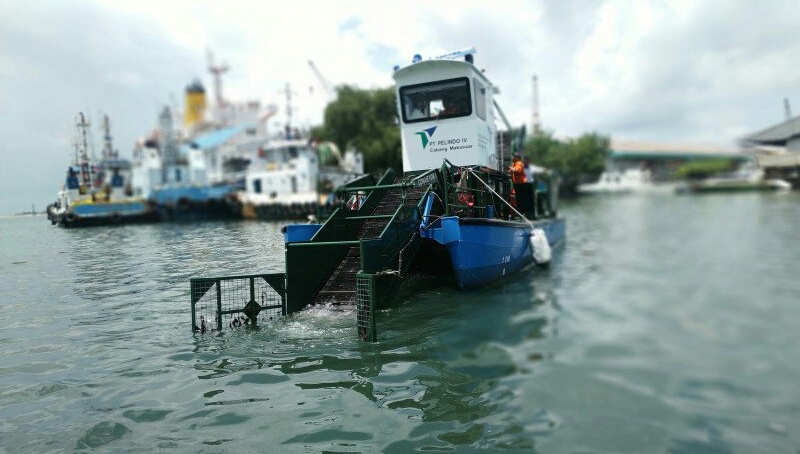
744 180
629 180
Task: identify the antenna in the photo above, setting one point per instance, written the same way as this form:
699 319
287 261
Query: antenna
217 71
288 93
787 108
537 125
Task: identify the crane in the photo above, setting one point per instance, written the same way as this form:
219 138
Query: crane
322 81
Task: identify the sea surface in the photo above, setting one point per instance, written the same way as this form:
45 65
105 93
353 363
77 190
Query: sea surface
666 324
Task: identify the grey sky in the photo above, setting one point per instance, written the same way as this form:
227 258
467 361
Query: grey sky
656 71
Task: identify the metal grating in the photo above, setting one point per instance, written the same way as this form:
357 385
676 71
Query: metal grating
365 308
339 289
237 301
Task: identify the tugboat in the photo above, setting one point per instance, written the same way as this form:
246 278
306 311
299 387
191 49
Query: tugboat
291 179
453 212
97 194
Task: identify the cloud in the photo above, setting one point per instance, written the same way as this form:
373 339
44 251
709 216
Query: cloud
678 70
102 61
125 79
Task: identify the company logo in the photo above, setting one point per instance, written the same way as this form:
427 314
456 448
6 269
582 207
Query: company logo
425 135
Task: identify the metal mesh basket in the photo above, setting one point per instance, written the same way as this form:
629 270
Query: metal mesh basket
237 301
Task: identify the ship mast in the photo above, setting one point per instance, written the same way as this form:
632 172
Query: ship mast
76 161
108 145
167 142
288 92
537 125
83 125
217 71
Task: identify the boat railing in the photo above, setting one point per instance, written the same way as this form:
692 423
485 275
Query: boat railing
467 196
379 254
313 262
337 227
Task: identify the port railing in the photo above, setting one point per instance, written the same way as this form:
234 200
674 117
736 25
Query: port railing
310 264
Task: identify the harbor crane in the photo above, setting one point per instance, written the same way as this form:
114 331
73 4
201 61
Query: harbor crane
325 85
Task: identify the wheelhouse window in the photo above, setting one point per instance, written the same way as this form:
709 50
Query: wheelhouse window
434 100
480 99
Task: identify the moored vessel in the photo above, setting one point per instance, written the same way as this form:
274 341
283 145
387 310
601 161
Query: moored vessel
619 181
97 194
291 179
746 179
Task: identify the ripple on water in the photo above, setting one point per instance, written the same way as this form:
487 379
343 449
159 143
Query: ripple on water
102 434
669 332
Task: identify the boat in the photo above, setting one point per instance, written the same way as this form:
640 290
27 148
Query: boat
97 194
176 175
452 215
295 178
619 181
746 179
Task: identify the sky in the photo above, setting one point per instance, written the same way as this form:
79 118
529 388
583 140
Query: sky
705 72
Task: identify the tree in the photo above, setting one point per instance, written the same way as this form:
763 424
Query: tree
367 121
573 159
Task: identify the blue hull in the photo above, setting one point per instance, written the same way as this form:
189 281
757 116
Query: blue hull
97 214
484 250
110 209
189 203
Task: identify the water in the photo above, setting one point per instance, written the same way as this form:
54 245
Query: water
666 324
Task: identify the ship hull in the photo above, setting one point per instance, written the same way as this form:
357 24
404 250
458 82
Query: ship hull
196 203
110 213
484 250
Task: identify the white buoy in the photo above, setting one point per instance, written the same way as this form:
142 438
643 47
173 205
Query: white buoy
540 246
